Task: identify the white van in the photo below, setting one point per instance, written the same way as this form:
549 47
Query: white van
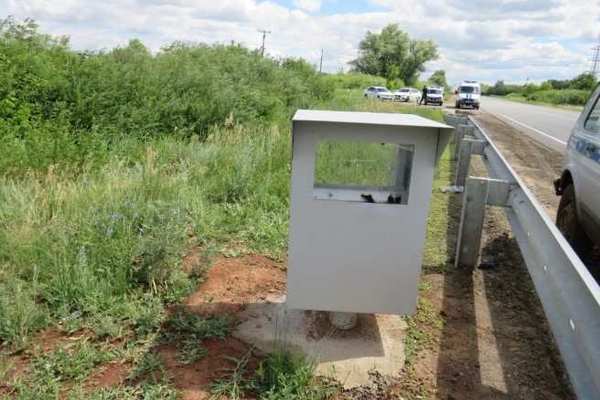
468 93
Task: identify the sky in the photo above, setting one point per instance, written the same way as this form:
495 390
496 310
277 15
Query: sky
485 40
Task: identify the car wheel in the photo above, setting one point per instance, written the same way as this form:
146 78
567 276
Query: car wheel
568 223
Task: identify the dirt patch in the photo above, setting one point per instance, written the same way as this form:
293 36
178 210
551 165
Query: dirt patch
194 380
232 283
110 375
535 163
44 342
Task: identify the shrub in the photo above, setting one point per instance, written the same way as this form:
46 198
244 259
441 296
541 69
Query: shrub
355 80
58 106
565 96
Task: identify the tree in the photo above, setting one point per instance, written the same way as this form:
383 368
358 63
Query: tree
392 54
498 89
438 78
585 81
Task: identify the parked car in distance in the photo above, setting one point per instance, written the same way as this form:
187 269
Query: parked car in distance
379 93
435 95
578 216
468 93
407 95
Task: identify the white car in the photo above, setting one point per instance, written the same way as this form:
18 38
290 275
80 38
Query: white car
468 94
578 215
435 95
379 93
407 95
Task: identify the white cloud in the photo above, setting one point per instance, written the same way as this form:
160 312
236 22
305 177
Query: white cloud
486 40
308 5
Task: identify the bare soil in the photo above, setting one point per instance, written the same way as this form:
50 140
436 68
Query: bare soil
495 342
536 164
230 285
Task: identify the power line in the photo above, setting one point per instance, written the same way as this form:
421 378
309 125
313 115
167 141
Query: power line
264 37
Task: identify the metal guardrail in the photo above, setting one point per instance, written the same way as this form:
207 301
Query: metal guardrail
569 294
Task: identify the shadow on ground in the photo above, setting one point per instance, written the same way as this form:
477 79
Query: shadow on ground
495 342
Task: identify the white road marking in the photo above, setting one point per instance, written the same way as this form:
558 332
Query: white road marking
531 128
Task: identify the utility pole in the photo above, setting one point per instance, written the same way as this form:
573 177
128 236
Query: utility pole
596 59
321 63
264 37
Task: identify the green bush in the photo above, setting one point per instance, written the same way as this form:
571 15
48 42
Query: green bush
58 106
114 164
355 80
565 96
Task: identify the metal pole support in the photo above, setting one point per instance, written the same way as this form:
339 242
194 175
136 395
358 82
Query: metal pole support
479 192
467 148
463 131
455 120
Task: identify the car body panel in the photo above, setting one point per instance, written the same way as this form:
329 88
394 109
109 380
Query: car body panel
583 165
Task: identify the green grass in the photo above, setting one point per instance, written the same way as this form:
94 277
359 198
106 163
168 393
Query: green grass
100 247
94 225
355 163
569 99
70 363
282 375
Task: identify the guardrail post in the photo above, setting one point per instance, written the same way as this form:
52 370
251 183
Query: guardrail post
459 133
464 161
455 120
471 222
479 192
462 131
467 148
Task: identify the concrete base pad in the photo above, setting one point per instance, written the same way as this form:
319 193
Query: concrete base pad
376 343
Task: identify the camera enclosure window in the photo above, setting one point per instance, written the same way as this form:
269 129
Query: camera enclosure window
363 171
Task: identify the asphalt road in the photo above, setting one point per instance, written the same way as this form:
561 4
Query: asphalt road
548 125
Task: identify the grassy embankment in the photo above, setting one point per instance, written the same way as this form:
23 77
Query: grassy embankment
572 93
553 99
115 165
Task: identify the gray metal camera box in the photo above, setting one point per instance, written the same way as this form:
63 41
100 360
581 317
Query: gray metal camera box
361 186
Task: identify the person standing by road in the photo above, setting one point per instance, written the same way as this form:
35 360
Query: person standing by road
423 96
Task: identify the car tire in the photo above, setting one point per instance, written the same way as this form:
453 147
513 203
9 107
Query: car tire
568 223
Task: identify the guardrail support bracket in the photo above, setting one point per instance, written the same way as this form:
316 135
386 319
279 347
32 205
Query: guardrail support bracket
479 192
